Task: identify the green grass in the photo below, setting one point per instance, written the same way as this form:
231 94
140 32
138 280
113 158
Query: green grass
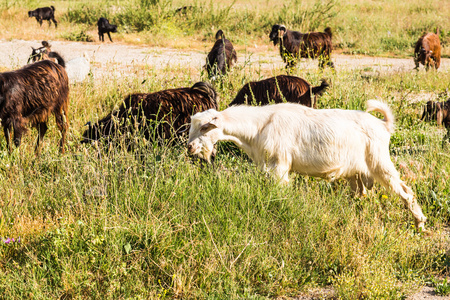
105 223
151 223
442 287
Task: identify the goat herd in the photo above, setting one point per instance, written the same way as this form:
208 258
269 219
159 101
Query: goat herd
279 138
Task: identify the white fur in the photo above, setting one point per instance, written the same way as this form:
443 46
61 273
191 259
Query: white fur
78 68
327 143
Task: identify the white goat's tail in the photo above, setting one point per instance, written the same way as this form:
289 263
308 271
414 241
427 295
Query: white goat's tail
381 107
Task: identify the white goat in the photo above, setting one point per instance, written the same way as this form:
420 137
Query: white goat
78 68
327 143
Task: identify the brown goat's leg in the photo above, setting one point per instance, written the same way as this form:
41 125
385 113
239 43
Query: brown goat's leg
7 131
42 129
61 122
416 61
109 35
18 136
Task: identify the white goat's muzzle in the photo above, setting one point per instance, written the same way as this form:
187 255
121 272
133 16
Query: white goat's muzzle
192 149
200 150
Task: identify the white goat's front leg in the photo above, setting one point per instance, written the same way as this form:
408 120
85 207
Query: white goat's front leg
357 185
279 171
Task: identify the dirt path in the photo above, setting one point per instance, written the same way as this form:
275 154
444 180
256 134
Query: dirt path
116 60
125 58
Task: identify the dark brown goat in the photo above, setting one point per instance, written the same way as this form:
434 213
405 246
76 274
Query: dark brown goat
428 51
439 112
29 95
157 115
221 57
295 45
279 89
431 110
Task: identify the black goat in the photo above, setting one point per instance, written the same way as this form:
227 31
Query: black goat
280 89
295 45
44 13
221 57
29 95
104 27
157 115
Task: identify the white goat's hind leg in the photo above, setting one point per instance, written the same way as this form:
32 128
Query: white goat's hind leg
390 178
413 206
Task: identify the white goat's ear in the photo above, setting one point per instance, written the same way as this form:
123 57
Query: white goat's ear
209 126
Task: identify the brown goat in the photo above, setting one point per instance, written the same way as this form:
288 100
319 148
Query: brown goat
295 45
279 89
29 95
439 112
428 51
221 57
158 115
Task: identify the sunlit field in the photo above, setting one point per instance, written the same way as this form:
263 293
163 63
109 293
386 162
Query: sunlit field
103 222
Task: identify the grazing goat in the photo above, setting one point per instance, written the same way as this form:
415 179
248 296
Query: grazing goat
294 45
279 89
431 110
40 53
77 68
29 95
44 13
221 57
327 143
428 51
169 110
104 27
439 112
184 10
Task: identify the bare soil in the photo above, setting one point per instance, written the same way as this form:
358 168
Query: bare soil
128 58
116 60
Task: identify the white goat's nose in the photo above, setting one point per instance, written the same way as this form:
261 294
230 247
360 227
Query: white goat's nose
190 147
